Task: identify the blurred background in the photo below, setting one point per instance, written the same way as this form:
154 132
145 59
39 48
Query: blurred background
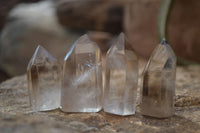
56 24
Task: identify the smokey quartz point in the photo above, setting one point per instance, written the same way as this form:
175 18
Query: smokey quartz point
121 78
158 89
82 78
44 81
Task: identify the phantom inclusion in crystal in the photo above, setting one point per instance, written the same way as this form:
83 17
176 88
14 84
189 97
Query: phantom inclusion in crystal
44 81
121 78
158 91
82 78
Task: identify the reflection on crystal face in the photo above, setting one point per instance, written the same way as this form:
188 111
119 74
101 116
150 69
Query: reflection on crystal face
121 78
158 89
44 81
82 78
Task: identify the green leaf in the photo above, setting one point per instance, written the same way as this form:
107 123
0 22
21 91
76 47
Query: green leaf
163 17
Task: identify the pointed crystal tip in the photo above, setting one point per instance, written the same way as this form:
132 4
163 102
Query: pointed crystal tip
164 41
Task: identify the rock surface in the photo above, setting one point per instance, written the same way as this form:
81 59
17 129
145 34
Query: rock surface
24 31
101 15
6 6
16 116
183 33
140 24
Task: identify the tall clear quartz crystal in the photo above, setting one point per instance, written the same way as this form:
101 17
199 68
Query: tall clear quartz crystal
121 78
44 81
157 95
82 78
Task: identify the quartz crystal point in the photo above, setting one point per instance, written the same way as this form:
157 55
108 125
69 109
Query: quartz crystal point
44 81
121 78
82 78
158 89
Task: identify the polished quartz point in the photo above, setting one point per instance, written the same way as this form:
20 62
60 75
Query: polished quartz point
121 78
82 78
44 81
158 90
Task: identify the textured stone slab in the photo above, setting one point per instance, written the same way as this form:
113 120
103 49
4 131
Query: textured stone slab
16 116
188 86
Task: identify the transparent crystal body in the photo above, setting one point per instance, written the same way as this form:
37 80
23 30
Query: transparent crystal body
82 78
158 89
121 78
44 81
